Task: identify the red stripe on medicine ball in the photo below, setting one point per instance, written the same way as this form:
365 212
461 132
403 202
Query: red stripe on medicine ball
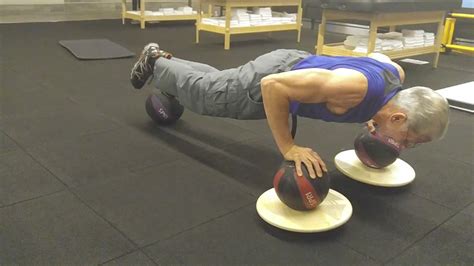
276 179
307 192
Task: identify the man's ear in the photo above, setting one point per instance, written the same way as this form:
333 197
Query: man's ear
398 117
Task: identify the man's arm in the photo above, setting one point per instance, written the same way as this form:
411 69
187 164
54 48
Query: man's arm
279 89
306 86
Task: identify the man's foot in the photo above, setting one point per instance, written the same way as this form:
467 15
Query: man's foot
143 68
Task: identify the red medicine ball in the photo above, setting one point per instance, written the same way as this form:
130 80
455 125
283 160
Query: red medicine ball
376 151
300 192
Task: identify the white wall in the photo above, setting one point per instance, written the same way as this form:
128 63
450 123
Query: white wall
54 2
30 2
17 11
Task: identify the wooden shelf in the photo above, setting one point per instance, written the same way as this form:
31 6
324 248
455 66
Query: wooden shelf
381 19
143 17
249 29
338 49
160 17
251 3
229 4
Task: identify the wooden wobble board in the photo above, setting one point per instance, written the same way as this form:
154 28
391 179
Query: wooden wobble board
333 212
397 174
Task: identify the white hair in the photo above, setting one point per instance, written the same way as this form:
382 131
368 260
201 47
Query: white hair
427 111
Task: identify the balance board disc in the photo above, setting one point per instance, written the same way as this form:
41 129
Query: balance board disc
397 174
333 212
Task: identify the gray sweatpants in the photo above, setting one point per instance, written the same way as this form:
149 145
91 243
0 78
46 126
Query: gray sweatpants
233 93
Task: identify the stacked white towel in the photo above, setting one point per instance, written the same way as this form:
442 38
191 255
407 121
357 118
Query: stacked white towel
260 16
283 18
242 16
361 43
391 40
412 33
264 12
413 38
429 38
255 19
413 42
167 11
391 44
238 11
220 21
393 35
292 16
187 10
210 21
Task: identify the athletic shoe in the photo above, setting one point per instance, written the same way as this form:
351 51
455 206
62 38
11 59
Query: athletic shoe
143 68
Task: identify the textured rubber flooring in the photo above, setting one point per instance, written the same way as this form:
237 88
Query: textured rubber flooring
86 178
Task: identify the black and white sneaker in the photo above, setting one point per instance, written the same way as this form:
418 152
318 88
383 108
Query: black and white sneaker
143 68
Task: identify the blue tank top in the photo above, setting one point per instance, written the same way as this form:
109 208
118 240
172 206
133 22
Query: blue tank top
383 83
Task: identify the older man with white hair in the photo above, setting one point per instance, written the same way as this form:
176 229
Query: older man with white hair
283 82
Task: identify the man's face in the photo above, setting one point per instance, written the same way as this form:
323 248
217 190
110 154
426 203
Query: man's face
400 135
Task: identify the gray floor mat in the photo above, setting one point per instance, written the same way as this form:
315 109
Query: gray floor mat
95 49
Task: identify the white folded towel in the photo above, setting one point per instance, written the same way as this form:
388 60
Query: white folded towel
238 11
210 21
185 8
390 35
412 33
255 17
389 44
263 11
357 40
413 39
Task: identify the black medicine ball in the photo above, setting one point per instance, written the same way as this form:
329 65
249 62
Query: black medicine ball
375 151
164 110
300 192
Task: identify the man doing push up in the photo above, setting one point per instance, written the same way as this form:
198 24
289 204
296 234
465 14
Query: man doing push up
283 82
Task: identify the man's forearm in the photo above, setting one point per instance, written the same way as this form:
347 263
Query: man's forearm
276 105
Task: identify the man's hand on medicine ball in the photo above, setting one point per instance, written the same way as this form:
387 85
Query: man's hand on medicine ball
309 158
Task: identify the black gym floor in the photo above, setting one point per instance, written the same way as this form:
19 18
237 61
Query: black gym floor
86 178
